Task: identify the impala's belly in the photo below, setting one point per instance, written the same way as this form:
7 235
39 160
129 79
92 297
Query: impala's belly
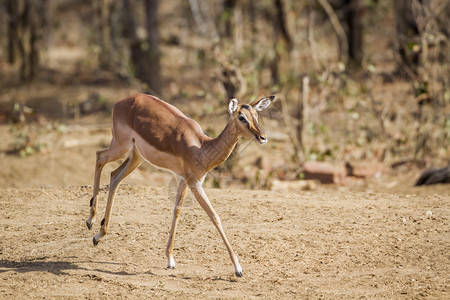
158 158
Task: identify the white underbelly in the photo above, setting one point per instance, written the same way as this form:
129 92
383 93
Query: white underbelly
158 158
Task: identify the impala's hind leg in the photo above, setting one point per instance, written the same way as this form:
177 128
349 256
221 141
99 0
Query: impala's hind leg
130 164
114 152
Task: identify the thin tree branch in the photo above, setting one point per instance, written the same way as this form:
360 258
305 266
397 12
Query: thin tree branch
342 36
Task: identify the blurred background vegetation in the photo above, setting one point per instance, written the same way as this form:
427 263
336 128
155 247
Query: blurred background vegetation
355 80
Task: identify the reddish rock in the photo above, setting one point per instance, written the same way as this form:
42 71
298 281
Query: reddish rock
364 169
324 172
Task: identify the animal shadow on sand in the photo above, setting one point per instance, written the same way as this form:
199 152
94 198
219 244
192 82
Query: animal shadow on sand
44 264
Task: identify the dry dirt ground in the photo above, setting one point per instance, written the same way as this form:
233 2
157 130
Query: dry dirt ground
332 243
318 244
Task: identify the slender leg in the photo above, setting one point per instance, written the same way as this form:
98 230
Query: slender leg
114 152
203 200
181 193
130 164
100 163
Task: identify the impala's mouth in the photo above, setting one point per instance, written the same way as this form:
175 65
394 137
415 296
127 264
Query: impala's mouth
261 139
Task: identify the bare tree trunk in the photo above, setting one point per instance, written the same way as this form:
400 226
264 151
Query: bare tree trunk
233 23
346 18
353 19
204 21
407 37
228 10
282 23
279 30
300 113
340 31
25 22
252 17
153 39
12 10
129 31
103 10
144 53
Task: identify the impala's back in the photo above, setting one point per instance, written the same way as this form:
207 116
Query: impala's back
160 131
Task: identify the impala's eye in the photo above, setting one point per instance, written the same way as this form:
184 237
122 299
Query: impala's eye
243 119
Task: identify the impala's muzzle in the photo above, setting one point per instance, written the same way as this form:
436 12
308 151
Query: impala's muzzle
261 138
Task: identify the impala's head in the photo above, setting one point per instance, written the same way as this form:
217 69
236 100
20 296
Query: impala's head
246 117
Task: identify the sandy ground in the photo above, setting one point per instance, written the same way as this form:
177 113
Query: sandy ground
332 243
320 244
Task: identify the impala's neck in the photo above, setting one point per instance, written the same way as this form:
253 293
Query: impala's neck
216 151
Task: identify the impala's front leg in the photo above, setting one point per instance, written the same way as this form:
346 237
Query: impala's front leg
181 193
203 200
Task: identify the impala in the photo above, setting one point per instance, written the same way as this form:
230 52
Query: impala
145 128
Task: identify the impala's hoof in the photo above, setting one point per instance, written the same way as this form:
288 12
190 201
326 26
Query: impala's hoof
171 263
239 274
89 225
94 241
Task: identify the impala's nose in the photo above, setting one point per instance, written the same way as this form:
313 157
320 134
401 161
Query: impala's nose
262 139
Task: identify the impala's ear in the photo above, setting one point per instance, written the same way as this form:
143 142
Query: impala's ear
262 104
232 106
